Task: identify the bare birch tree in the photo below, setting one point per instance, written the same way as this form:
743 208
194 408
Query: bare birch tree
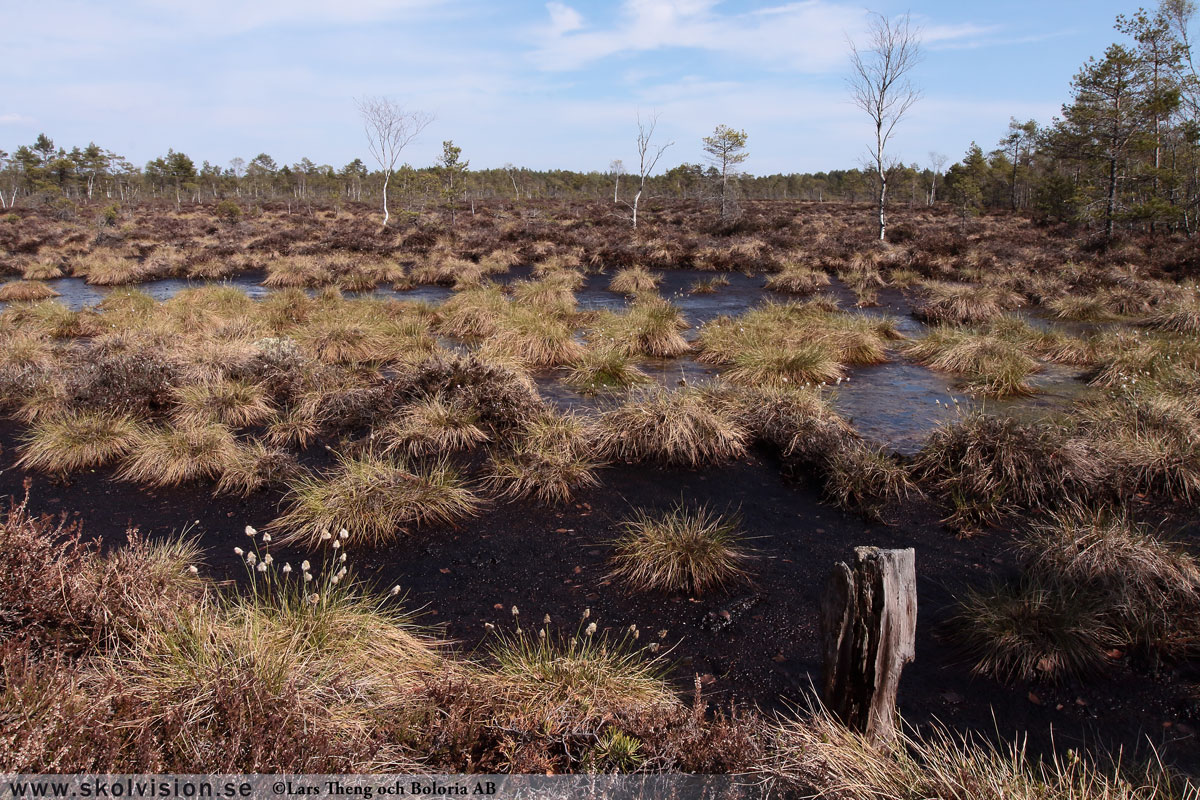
936 162
648 156
879 85
616 168
390 128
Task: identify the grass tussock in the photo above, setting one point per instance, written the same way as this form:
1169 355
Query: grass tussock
432 426
254 466
1146 588
964 304
987 467
794 344
817 756
606 368
78 440
537 339
42 270
797 279
991 365
866 478
634 280
1181 317
692 550
708 285
169 456
1031 629
374 498
110 269
682 427
651 327
780 366
556 678
1150 440
25 292
235 403
553 458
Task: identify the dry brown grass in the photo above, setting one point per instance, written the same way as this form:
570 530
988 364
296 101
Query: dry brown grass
25 291
684 550
374 499
676 427
553 458
169 456
78 440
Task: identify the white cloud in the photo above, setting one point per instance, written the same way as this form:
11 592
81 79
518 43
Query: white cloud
563 19
15 119
808 36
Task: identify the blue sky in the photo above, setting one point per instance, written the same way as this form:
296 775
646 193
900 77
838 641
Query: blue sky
544 85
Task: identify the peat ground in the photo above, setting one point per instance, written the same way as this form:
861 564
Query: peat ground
552 561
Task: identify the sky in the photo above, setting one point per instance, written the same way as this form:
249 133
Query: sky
555 85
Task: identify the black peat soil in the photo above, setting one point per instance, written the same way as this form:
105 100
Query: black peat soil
758 644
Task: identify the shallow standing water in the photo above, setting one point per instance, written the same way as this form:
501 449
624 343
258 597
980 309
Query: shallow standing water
896 404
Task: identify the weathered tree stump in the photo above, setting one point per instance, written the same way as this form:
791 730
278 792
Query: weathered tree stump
868 629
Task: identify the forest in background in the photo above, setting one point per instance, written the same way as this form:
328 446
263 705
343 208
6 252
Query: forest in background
1123 156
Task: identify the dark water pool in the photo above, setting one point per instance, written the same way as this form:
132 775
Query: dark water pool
896 404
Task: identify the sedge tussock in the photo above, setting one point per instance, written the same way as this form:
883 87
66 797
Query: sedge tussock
693 550
373 498
25 291
672 426
552 460
77 440
177 454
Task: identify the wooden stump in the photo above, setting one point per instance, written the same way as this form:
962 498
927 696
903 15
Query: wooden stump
868 630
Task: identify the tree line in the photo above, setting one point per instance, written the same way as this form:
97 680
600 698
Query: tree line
1123 156
1125 153
41 172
